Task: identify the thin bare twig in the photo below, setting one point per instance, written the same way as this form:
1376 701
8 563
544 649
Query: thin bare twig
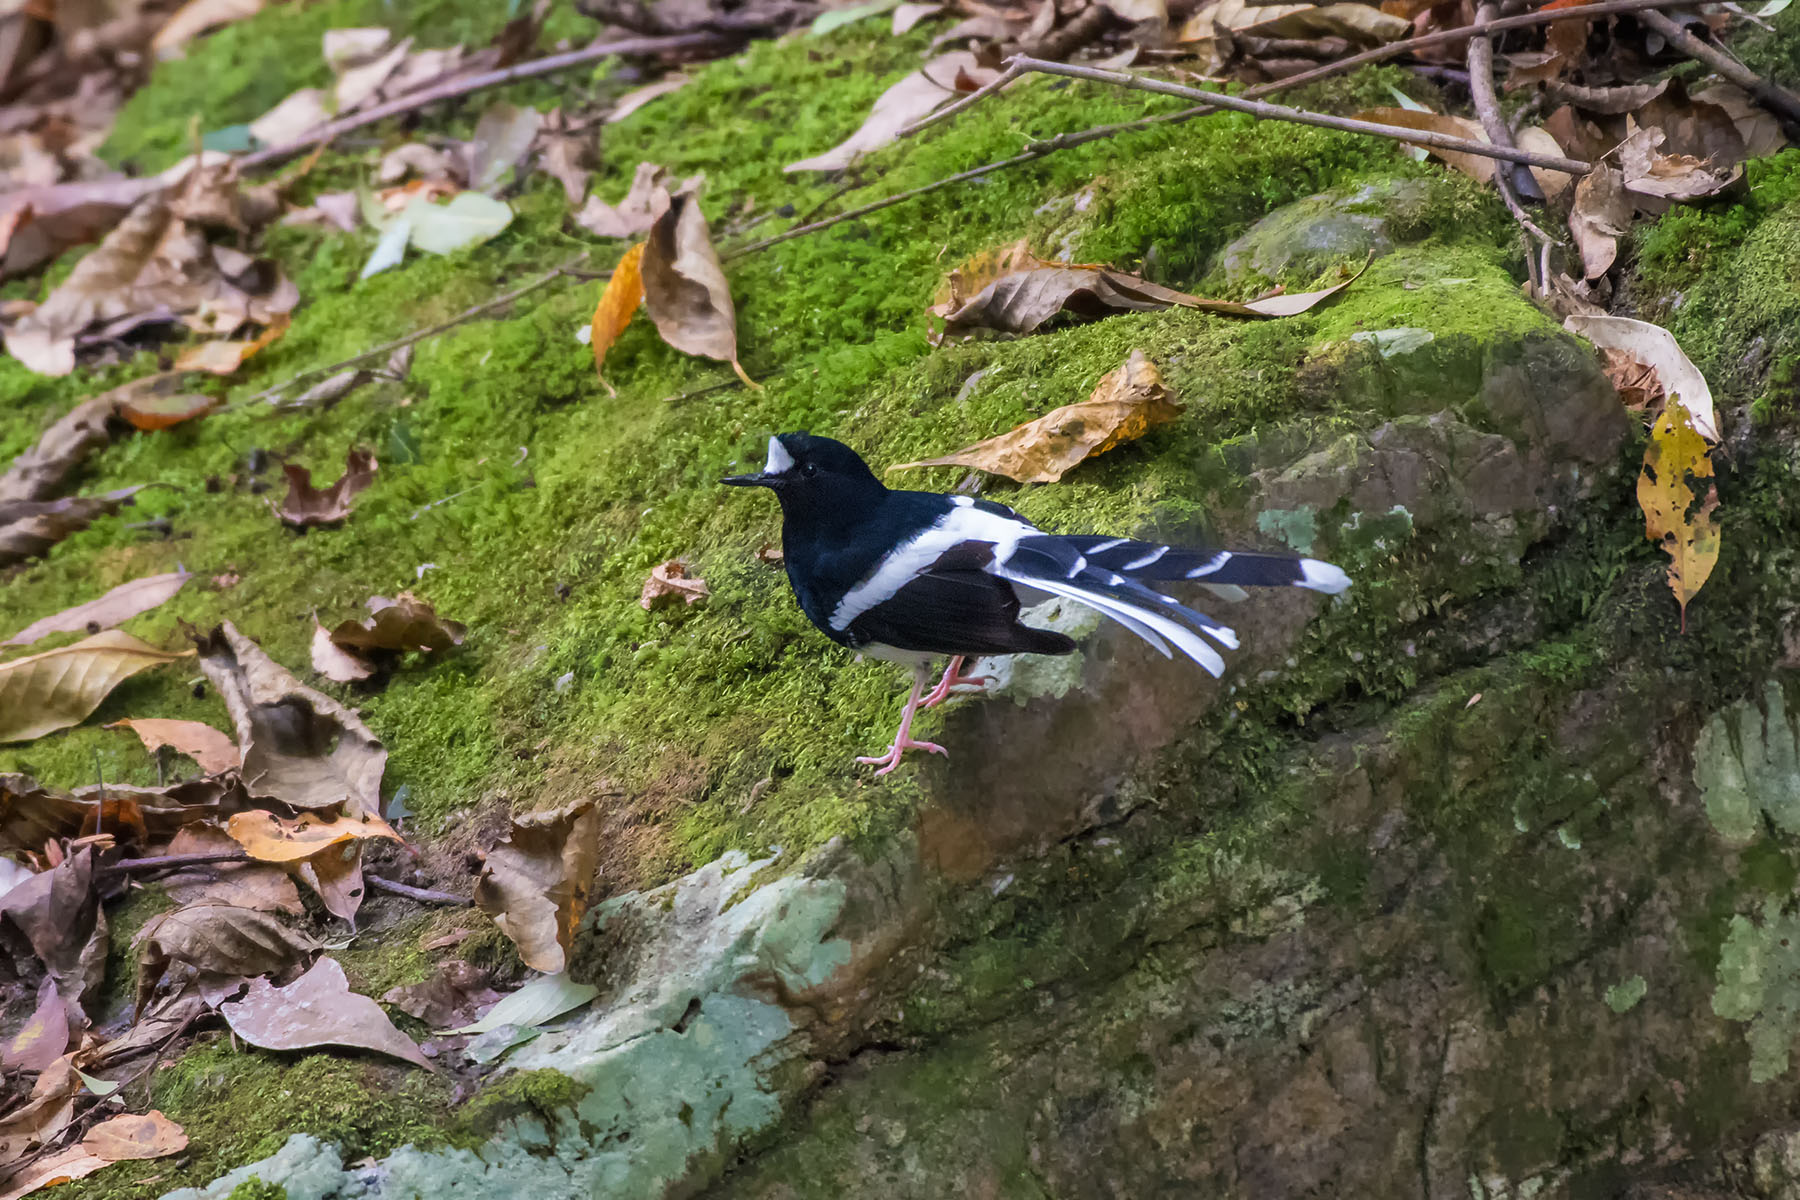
1770 95
420 335
169 862
1487 110
422 895
454 86
981 93
1278 112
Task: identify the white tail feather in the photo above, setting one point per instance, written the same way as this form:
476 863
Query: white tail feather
1153 627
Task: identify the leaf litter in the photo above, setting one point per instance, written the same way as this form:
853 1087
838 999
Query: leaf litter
318 1009
537 882
114 608
59 688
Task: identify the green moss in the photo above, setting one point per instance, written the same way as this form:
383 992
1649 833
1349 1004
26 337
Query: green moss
123 920
545 1095
256 1189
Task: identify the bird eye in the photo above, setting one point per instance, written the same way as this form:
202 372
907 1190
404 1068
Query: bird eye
810 469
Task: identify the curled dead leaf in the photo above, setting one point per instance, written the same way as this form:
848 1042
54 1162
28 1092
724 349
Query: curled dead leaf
1125 405
32 814
317 1009
30 527
644 201
58 911
669 582
133 1135
218 939
684 285
299 746
537 882
306 506
208 747
618 302
59 688
913 98
452 996
405 623
1656 347
1601 215
270 838
257 885
335 663
115 607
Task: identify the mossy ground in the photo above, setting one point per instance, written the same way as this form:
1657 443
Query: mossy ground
519 498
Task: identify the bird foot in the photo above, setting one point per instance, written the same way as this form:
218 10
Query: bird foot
901 745
961 685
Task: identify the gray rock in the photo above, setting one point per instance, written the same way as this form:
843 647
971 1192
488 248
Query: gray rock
1311 236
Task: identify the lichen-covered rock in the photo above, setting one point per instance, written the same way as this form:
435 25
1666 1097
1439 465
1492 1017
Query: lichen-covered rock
1331 230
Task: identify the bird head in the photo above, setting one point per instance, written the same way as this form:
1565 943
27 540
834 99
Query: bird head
811 472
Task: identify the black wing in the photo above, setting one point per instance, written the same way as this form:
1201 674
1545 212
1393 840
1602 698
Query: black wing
955 606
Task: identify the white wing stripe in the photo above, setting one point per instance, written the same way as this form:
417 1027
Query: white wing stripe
893 572
1133 618
1210 565
1145 561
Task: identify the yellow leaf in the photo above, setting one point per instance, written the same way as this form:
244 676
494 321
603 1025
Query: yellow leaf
1678 496
223 358
268 837
619 300
1126 404
59 688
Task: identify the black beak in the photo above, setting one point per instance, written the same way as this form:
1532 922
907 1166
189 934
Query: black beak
757 480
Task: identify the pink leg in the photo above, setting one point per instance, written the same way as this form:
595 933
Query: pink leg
952 679
903 740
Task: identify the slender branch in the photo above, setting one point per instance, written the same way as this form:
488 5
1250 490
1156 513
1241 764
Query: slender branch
454 86
422 895
1605 8
1277 112
1772 96
168 862
981 93
420 335
1487 110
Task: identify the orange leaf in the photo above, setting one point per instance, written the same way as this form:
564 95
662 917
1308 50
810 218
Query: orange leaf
223 358
619 300
130 1135
268 837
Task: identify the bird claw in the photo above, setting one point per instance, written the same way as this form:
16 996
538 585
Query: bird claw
891 759
962 684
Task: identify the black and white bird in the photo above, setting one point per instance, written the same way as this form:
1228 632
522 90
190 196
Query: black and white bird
915 576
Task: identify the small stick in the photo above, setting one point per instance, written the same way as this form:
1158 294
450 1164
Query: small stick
420 335
165 862
1487 109
981 93
454 86
1277 112
422 895
1773 97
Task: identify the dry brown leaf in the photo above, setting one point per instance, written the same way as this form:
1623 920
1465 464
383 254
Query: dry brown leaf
224 358
1678 496
1676 177
1601 215
1759 131
59 913
536 884
295 117
39 223
913 98
452 997
1126 404
40 471
442 171
684 285
646 200
1473 165
1030 291
270 838
197 17
157 402
213 750
502 138
335 874
59 688
317 1009
334 663
64 1166
157 264
636 98
43 1038
299 746
1637 384
306 505
113 608
31 814
669 582
565 152
216 939
361 85
245 885
30 527
619 301
45 1113
132 1135
1656 347
400 625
